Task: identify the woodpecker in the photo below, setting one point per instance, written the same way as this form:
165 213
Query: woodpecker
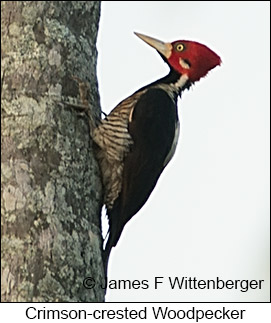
139 136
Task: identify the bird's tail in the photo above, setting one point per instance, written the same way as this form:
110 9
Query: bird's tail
115 229
105 255
111 242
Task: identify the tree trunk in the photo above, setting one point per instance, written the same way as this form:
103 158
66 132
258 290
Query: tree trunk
51 188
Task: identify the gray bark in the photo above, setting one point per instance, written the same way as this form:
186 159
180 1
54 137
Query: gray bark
51 190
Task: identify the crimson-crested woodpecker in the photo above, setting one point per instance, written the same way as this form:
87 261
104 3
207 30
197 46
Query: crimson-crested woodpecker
139 136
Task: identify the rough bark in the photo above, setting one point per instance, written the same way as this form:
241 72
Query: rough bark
51 189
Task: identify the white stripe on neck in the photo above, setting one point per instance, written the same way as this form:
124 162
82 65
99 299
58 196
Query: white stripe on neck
181 82
174 88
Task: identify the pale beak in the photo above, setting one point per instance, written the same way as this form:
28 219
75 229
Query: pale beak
163 48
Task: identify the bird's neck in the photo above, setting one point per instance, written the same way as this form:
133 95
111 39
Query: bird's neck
174 84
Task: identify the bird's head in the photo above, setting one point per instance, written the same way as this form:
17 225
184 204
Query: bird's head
186 57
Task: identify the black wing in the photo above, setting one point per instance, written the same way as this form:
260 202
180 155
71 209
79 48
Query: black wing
152 129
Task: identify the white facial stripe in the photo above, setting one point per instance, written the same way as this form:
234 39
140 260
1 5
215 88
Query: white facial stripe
183 64
168 50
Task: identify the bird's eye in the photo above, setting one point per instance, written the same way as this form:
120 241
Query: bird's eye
179 47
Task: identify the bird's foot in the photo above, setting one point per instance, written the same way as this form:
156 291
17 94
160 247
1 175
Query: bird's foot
83 106
83 92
